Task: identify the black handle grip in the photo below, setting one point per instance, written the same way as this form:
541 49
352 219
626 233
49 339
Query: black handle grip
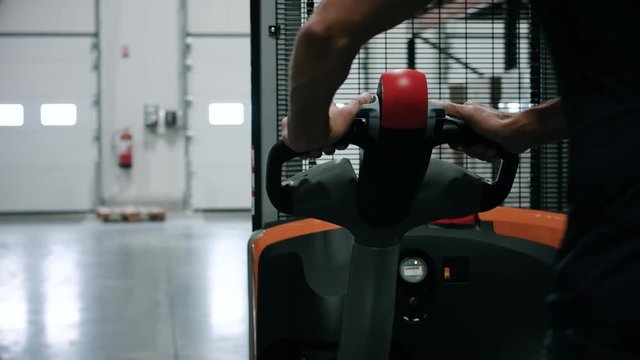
280 153
452 131
493 193
458 132
279 195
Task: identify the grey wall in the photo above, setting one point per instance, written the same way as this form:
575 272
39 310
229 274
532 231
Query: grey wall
150 30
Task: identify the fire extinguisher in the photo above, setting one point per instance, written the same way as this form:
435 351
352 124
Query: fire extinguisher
124 149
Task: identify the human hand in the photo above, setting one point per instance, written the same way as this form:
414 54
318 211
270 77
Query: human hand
488 123
340 120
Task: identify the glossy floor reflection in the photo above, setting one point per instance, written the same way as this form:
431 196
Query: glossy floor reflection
77 289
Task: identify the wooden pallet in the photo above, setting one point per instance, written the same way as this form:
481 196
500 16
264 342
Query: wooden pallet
130 213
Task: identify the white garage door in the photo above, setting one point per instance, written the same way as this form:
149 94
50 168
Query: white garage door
48 123
47 17
219 121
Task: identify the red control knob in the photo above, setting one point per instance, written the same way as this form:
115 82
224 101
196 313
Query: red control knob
405 99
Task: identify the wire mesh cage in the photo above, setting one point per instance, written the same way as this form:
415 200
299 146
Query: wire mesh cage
490 52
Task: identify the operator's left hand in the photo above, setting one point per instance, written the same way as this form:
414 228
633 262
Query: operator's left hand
340 121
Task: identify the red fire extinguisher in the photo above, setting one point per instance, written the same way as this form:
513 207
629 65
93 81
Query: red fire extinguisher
124 149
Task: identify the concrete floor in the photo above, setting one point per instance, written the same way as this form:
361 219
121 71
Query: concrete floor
73 288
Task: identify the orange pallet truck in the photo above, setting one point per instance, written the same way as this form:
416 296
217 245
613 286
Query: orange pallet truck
368 269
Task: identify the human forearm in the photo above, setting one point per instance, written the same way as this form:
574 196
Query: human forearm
319 65
539 125
323 52
515 133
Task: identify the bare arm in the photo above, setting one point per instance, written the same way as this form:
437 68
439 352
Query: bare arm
516 133
323 52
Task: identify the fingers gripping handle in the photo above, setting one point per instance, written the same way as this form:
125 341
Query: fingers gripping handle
280 153
455 131
494 192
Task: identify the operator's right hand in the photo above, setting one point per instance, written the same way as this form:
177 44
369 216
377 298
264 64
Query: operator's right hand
340 120
489 123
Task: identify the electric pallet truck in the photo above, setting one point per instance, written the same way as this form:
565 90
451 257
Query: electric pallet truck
370 270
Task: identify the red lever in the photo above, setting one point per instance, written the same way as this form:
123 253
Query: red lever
465 220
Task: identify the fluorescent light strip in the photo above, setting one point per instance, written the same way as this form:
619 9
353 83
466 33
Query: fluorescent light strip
58 114
226 114
11 115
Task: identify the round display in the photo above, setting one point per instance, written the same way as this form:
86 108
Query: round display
413 270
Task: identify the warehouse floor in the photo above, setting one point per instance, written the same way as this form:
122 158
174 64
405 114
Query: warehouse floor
74 288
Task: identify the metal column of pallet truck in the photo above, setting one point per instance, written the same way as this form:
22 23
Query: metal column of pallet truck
319 293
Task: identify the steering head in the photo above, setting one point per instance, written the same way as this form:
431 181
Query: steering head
397 132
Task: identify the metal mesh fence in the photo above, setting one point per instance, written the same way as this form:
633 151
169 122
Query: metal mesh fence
490 52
